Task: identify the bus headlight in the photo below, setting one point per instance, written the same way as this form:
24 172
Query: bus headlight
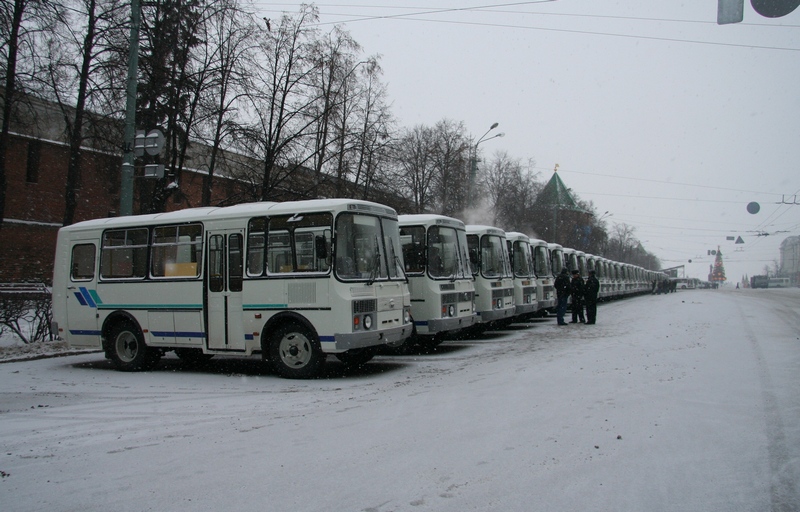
367 322
407 315
451 310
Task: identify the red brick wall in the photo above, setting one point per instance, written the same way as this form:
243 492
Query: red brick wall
26 252
35 211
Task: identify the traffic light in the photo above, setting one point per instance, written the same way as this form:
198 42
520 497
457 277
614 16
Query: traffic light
732 11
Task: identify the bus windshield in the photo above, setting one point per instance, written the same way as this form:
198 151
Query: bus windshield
542 261
493 256
446 253
522 259
367 248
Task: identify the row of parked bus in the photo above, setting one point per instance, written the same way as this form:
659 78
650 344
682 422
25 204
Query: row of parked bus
296 281
478 277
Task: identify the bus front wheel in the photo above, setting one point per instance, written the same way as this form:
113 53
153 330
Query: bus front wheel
128 351
295 352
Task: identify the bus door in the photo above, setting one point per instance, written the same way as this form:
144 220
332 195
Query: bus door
82 296
224 319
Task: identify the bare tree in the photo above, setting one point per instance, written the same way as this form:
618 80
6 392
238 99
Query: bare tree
376 124
622 242
510 188
450 156
414 166
280 101
334 54
227 48
79 49
22 25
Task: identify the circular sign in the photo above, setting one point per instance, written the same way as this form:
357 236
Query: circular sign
753 207
774 8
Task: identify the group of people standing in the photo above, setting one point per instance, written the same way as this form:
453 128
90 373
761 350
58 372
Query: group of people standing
582 293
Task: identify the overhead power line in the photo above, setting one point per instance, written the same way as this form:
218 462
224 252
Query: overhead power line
662 182
423 11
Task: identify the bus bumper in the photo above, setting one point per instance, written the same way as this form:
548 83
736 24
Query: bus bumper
438 325
496 314
525 309
365 339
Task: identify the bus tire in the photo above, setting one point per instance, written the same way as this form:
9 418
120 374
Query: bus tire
295 351
127 349
192 356
356 356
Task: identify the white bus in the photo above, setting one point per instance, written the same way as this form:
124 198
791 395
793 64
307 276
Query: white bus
556 258
494 287
519 250
545 289
571 259
292 281
436 260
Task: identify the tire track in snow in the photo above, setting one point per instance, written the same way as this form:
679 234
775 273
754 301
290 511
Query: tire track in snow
783 489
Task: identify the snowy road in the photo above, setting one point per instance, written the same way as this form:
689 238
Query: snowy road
681 402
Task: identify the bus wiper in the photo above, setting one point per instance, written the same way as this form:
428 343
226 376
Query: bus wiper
397 263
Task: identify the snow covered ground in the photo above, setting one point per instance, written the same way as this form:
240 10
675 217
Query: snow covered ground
686 402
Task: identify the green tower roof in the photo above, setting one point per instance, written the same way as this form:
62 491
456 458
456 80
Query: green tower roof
556 194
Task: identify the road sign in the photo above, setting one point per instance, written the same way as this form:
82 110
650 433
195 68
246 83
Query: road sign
152 143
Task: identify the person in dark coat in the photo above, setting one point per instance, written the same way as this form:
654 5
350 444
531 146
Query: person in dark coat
562 287
590 291
576 288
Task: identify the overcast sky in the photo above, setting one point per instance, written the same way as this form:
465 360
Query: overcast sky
666 120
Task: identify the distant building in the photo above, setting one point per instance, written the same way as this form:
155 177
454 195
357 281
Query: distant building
790 260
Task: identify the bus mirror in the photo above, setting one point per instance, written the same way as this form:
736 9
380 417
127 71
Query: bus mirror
321 247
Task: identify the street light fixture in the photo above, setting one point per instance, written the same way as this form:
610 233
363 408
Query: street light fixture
473 160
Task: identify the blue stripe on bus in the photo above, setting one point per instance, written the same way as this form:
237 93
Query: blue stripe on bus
80 299
84 332
327 338
178 334
151 306
88 297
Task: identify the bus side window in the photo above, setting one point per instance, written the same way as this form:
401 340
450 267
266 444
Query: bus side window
83 258
255 246
474 255
412 239
216 263
235 263
123 254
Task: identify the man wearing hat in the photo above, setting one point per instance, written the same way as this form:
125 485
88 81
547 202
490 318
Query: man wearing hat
590 292
562 287
576 287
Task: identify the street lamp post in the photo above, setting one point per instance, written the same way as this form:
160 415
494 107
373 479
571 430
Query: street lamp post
473 161
605 215
126 179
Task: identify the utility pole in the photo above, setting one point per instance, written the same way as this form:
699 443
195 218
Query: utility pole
126 182
473 162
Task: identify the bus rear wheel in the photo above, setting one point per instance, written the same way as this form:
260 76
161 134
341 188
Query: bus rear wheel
296 352
127 350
